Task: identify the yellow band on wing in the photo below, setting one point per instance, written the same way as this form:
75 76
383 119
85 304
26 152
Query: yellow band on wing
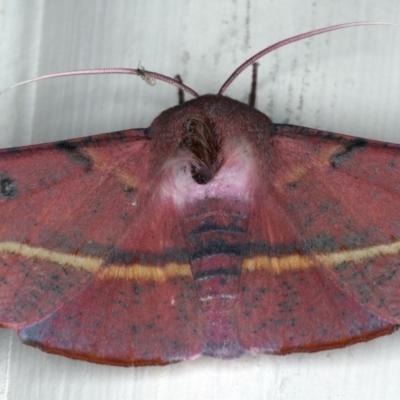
93 264
87 263
161 273
295 262
145 272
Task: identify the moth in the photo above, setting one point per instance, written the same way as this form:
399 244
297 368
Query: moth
213 232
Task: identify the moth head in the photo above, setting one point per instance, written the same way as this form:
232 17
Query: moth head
201 134
200 145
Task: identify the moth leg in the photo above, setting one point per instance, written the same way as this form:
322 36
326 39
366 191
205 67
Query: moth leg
253 91
181 94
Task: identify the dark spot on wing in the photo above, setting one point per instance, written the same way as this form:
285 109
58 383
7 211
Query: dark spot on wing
320 242
350 149
129 190
73 152
8 187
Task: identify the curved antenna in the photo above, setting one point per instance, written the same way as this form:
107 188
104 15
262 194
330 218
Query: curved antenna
292 39
146 75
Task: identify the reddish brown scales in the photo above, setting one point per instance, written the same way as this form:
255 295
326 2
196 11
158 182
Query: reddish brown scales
215 230
160 245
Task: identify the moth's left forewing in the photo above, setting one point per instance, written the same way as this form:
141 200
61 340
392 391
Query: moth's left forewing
92 264
325 270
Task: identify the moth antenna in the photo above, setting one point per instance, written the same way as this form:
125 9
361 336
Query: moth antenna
292 39
148 76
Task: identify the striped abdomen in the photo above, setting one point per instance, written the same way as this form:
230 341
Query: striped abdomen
214 236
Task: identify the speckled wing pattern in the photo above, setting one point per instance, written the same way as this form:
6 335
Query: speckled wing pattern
327 272
78 276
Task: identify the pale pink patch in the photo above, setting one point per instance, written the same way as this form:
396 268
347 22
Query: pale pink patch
234 180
